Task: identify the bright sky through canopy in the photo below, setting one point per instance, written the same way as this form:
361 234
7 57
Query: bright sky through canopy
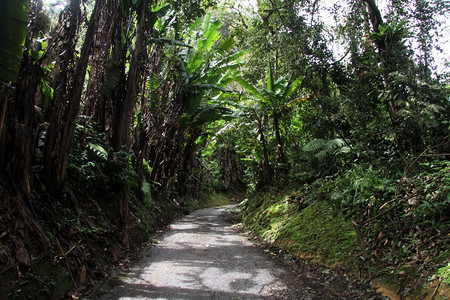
441 58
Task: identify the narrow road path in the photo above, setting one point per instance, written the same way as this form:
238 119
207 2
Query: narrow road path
200 257
204 257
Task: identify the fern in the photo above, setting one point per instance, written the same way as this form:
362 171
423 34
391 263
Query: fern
315 145
98 150
321 149
321 155
112 79
333 146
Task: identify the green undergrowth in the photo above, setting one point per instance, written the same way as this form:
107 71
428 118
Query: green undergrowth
413 259
87 242
208 200
84 237
314 231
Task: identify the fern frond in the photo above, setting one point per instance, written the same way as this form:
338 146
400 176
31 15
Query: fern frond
323 148
112 79
321 155
315 145
335 144
98 150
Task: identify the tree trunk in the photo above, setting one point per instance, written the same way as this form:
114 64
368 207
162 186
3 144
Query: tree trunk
63 81
375 15
21 125
4 99
267 169
94 104
121 137
109 110
122 131
268 172
67 102
280 149
376 20
280 156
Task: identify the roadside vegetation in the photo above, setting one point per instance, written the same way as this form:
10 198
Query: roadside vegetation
118 116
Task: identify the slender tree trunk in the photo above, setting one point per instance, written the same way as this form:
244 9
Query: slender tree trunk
267 169
22 120
122 133
376 20
4 99
94 105
280 148
110 106
67 105
268 172
123 130
375 15
63 79
280 156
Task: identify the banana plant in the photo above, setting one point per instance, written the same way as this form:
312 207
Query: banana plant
13 31
205 72
273 98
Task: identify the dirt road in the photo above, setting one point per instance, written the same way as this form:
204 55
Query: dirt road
203 257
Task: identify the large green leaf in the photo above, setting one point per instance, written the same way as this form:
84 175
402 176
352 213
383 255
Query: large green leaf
293 86
226 44
208 87
210 114
212 35
206 22
13 31
155 15
227 60
193 102
249 87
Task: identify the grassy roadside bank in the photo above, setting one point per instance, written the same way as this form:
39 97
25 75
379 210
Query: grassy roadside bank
321 233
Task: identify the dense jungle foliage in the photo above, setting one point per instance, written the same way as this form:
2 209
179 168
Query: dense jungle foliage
117 115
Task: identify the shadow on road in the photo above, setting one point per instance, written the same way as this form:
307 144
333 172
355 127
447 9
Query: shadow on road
200 257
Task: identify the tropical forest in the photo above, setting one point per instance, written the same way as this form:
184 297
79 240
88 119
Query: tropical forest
324 124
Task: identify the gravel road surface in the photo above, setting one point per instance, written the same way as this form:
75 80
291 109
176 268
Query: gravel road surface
200 257
203 257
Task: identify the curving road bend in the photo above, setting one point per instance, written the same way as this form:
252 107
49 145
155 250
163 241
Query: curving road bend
200 257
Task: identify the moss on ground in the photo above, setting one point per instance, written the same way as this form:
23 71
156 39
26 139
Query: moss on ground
316 230
320 232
